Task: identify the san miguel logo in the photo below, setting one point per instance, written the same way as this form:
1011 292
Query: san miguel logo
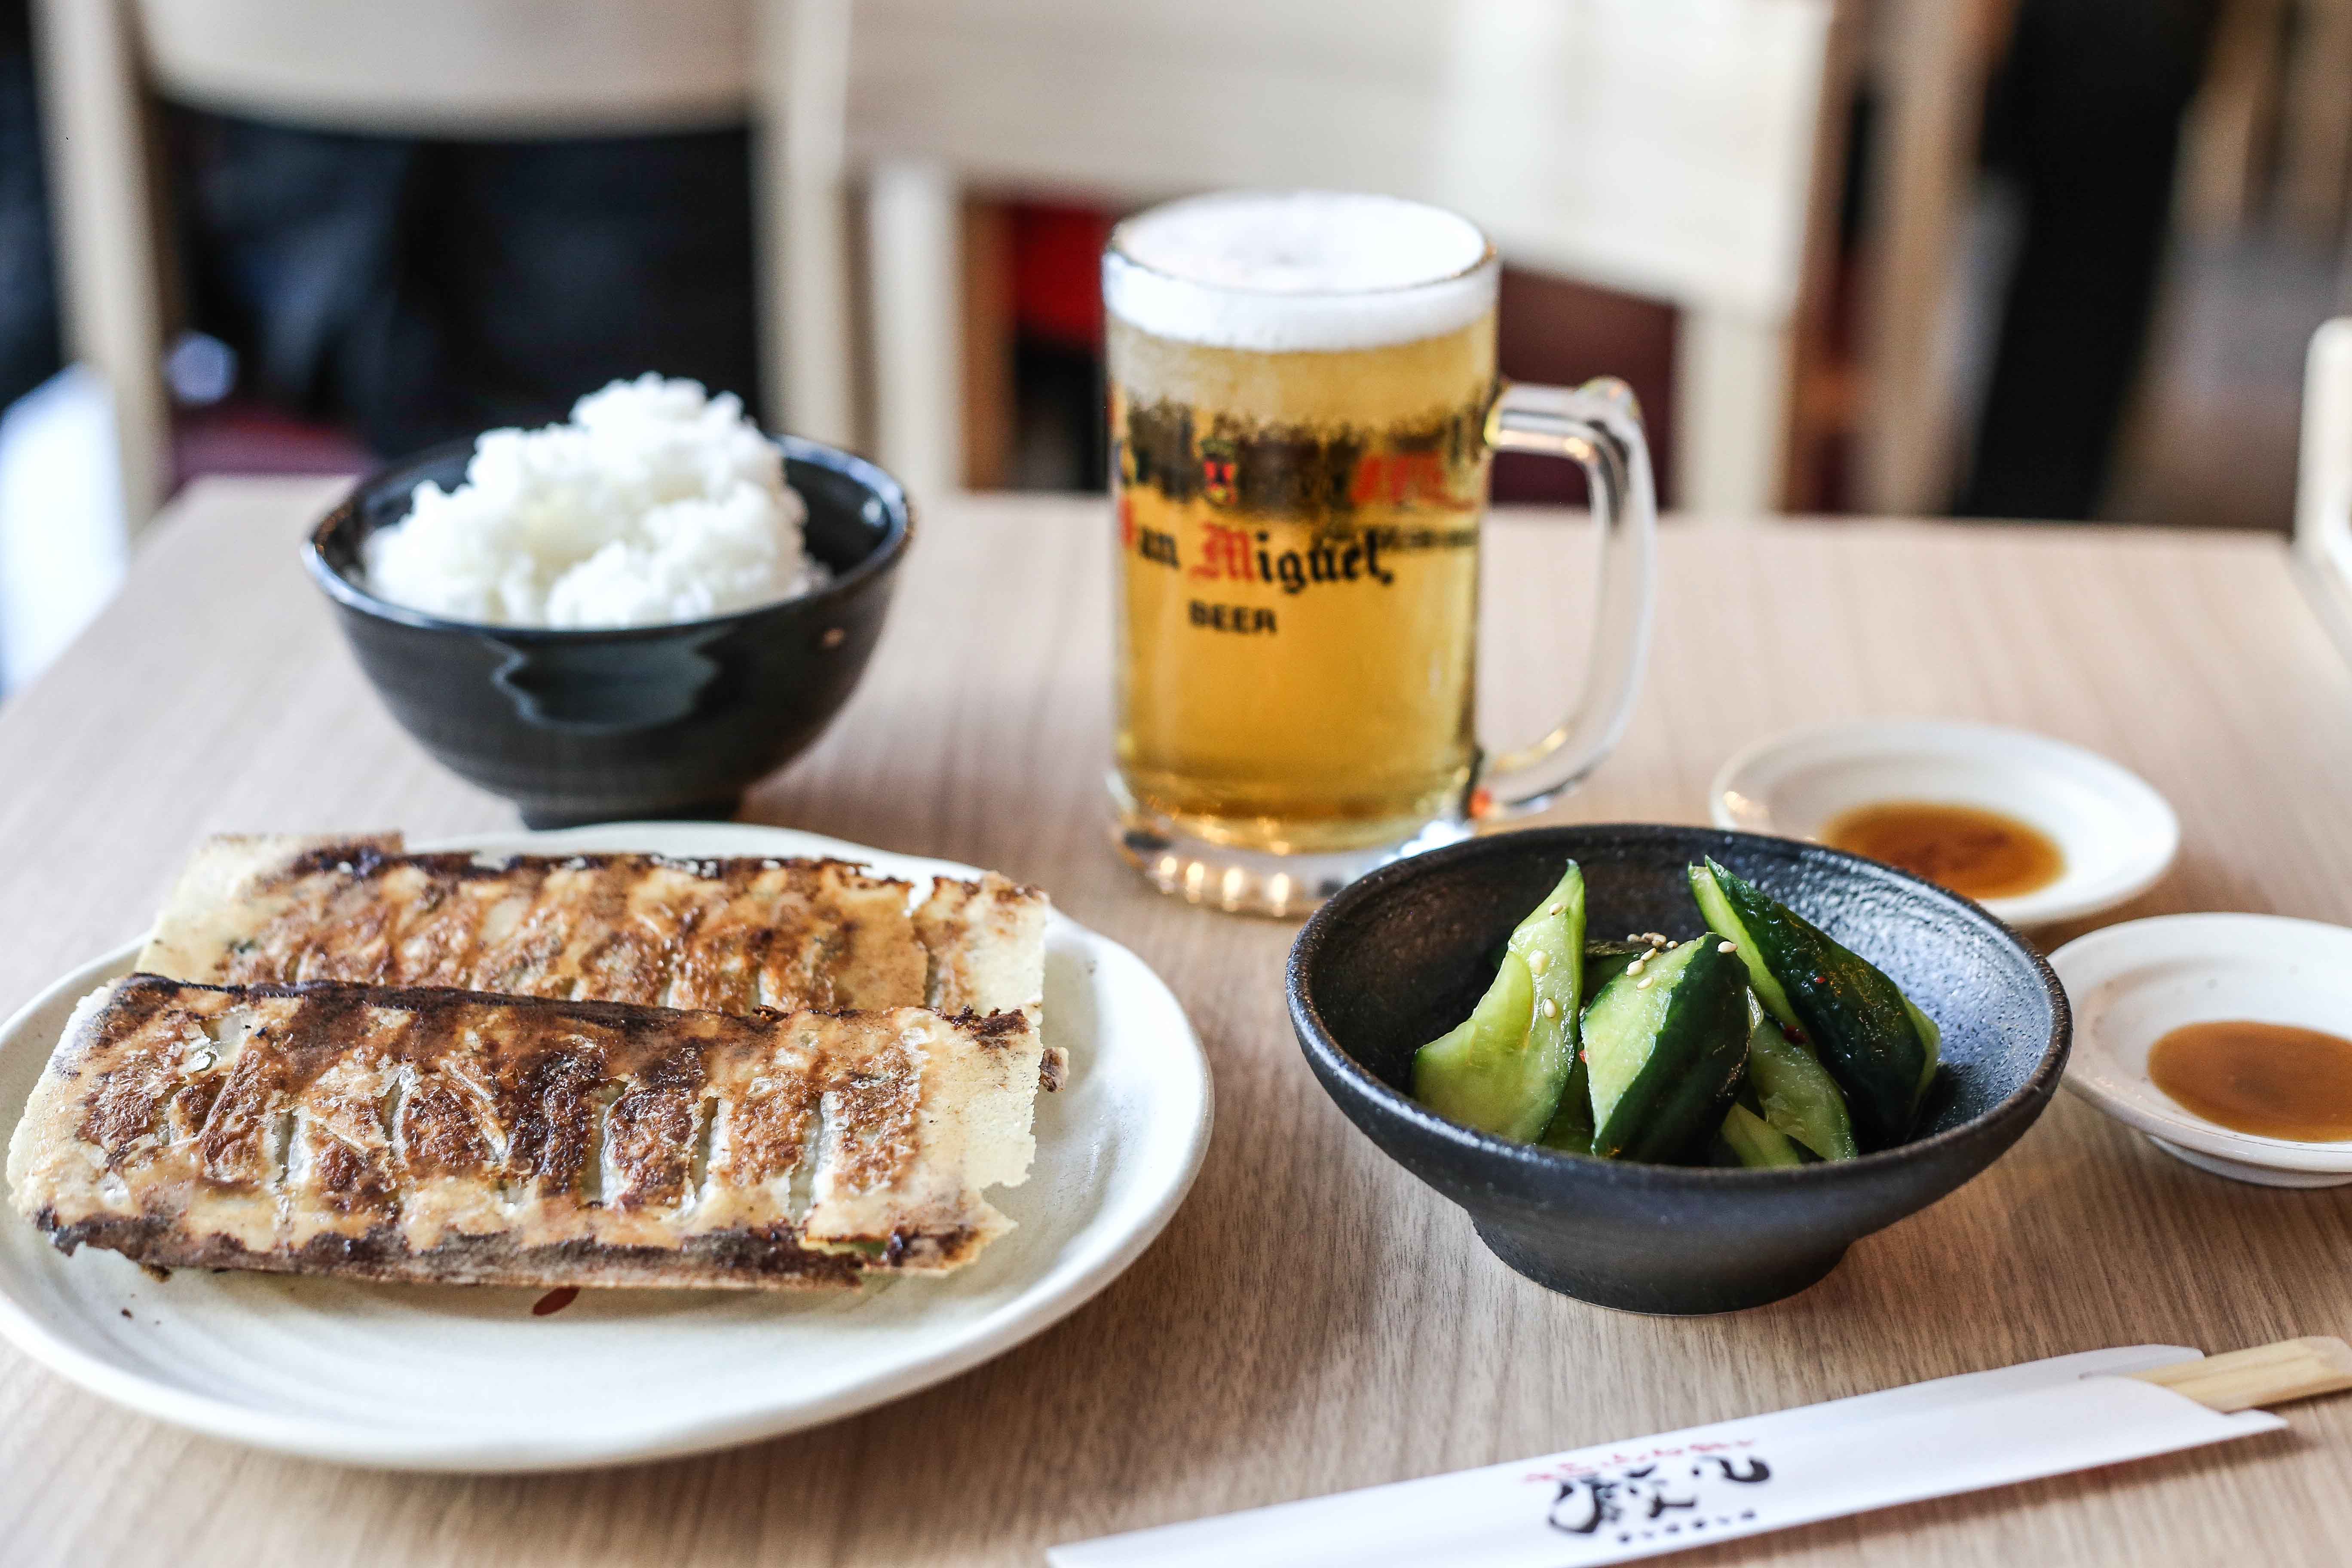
1289 508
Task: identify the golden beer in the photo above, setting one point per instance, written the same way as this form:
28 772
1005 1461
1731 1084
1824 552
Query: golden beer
1302 403
1298 555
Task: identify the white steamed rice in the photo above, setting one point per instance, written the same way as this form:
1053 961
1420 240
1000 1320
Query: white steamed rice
655 504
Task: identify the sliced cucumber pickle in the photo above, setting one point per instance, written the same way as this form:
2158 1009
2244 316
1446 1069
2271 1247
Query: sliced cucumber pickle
1605 961
1570 1134
1754 1142
1723 921
1474 1072
1794 1094
1931 1040
1571 1125
1507 1068
1854 1017
1665 1049
1556 930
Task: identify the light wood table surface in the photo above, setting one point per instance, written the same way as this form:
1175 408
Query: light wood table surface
1313 1319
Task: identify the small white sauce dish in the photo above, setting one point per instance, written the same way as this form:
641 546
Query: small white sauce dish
2117 834
2133 983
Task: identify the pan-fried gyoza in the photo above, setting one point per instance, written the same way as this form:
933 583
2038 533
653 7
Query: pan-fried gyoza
727 934
592 1070
442 1136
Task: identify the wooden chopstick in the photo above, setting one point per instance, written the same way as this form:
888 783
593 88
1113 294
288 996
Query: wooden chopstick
2266 1374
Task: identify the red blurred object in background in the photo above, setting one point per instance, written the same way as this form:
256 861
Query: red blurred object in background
243 437
1057 274
1559 333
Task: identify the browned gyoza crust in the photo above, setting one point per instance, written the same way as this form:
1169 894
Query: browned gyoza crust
442 1136
729 935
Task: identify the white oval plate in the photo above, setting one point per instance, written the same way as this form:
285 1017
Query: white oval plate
2117 834
455 1378
2132 984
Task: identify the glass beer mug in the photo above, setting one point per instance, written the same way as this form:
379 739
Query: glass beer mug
1303 404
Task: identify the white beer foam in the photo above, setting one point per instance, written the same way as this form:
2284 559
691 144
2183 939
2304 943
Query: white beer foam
1299 270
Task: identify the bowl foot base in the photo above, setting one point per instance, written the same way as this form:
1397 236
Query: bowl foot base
1724 1289
539 819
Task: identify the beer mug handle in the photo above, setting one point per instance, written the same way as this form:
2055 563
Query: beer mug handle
1598 427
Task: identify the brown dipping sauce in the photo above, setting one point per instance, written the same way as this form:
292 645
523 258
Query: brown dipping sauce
2275 1080
1976 852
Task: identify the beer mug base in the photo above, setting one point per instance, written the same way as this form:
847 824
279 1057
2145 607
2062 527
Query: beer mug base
1238 880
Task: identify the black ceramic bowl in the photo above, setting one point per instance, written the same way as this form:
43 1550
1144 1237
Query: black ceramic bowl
645 721
1396 959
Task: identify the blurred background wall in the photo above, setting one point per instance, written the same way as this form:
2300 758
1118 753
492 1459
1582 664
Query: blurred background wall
2048 258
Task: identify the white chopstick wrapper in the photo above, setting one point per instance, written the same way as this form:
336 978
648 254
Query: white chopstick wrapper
1646 1496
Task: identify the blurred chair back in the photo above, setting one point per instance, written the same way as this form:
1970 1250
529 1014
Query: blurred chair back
1661 147
2322 500
462 69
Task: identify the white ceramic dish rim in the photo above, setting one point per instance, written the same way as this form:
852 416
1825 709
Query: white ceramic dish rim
1978 742
2090 961
1067 1283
